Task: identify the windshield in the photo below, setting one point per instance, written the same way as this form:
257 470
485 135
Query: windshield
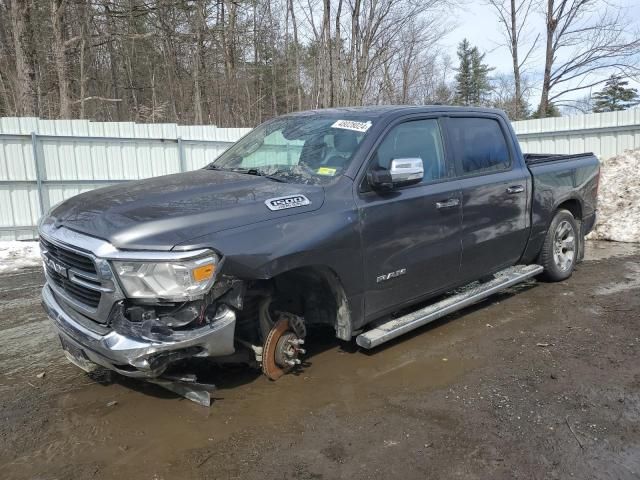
300 149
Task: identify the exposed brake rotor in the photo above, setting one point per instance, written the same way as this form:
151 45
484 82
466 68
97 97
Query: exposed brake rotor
282 348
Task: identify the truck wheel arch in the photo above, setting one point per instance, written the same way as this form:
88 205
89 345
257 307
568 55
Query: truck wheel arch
573 205
318 283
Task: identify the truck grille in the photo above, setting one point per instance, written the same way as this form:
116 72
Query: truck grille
68 257
89 297
64 281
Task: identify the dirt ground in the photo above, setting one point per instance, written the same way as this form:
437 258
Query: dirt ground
541 382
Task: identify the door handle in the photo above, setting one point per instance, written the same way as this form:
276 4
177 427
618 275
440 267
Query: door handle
452 202
515 189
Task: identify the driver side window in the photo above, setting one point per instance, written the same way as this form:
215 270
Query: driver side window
414 139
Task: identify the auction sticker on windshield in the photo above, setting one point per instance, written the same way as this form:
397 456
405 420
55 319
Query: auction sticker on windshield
352 125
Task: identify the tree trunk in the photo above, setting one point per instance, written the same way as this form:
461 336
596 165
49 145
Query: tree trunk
59 57
516 63
198 61
354 51
113 60
327 70
274 77
228 43
82 79
5 104
297 55
335 53
551 24
26 101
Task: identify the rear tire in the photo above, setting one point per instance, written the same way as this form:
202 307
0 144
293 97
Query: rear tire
559 252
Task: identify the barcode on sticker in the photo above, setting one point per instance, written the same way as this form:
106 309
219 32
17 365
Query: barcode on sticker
351 125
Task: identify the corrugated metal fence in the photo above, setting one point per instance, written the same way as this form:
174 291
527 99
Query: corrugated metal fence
605 134
45 161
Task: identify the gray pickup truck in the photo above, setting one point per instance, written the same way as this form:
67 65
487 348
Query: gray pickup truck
339 218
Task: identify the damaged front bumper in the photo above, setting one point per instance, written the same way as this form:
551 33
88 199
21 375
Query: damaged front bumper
136 356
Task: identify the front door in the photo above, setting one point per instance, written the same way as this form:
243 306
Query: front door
494 196
410 235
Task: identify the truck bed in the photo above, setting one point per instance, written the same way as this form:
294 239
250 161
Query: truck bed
538 158
570 181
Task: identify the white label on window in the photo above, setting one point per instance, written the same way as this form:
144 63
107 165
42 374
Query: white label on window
351 125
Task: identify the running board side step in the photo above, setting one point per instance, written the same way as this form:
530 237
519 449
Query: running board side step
468 296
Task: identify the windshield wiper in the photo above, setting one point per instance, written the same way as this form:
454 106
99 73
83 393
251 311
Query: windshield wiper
270 176
249 171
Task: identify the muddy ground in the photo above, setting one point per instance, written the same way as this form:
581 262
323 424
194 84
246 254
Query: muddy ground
541 382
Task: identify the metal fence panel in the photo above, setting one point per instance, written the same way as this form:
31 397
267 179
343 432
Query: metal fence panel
43 162
605 134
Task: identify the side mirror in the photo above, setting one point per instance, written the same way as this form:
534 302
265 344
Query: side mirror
406 171
403 171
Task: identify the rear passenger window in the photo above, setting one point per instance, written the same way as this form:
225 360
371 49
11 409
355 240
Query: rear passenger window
414 139
479 145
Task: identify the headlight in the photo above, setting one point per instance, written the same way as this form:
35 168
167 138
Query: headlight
173 280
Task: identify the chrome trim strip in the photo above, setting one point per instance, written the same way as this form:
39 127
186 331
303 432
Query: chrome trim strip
74 277
85 275
83 244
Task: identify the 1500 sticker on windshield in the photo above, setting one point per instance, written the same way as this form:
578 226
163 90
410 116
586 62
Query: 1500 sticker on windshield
291 201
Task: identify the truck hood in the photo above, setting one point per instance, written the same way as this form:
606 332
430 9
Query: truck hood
161 212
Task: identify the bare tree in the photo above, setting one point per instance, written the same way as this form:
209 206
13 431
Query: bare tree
514 16
504 96
230 62
584 39
583 104
26 100
59 49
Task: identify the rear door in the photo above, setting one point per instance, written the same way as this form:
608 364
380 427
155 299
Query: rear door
494 194
410 235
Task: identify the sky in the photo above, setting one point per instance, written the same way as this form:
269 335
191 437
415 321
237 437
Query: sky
478 22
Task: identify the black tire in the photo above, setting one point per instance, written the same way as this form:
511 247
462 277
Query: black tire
559 252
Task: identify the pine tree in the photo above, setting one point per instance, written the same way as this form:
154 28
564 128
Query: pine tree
464 82
472 79
479 77
615 96
551 111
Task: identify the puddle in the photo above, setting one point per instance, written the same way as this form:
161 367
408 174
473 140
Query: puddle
629 280
148 425
601 250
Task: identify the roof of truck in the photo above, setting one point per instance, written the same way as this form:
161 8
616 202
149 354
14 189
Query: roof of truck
385 110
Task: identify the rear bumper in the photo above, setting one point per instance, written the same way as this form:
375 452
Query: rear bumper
139 357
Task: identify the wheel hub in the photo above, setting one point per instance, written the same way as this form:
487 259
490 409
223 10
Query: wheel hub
564 246
282 349
288 350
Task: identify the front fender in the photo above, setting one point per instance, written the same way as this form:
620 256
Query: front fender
328 237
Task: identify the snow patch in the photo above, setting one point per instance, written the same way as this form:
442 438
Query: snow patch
619 199
15 255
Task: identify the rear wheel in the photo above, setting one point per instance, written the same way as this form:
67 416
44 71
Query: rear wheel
560 249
